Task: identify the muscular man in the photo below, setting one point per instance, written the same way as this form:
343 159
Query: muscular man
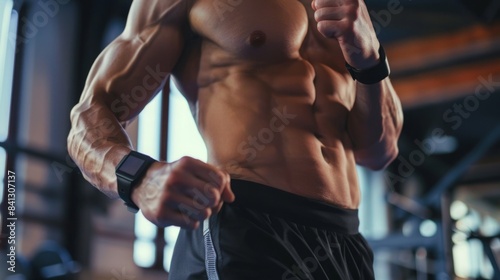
283 119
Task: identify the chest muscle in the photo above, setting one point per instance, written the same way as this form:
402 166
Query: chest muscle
252 29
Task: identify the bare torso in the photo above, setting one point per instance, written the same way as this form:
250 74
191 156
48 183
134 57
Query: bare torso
271 96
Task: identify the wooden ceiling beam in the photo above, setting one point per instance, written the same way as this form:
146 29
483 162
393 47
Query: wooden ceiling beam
445 67
445 84
425 53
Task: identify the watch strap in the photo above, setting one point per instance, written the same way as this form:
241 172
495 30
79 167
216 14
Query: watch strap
373 74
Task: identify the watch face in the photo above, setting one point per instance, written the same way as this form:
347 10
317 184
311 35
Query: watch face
131 165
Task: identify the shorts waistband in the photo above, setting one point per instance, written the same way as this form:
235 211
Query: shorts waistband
295 208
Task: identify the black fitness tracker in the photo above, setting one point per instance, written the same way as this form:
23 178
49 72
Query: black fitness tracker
129 172
373 74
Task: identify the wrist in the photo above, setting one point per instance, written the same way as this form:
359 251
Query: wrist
147 186
104 178
362 56
364 59
373 74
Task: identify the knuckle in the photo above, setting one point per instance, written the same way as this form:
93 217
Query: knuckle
201 202
354 12
188 211
198 215
173 179
217 178
185 161
213 195
317 15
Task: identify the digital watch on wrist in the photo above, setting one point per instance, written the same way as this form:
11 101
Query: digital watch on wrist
129 172
373 74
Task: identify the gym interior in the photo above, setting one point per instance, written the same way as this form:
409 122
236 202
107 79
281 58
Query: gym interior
434 213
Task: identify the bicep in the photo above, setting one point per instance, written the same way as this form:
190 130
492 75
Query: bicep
135 66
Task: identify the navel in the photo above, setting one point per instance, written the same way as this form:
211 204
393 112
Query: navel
257 38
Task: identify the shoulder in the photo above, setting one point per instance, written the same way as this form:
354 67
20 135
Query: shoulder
147 13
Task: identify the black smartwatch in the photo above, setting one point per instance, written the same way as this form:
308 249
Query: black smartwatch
373 74
129 172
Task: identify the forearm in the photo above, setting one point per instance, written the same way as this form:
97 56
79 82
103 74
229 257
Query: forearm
374 124
124 78
97 142
375 121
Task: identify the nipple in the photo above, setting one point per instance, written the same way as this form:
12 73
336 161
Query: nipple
257 38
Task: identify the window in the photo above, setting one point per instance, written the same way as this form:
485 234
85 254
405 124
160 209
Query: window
148 143
8 29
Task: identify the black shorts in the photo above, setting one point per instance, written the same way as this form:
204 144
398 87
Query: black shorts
272 234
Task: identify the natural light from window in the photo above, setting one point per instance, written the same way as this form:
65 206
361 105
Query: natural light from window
8 29
184 140
8 26
148 142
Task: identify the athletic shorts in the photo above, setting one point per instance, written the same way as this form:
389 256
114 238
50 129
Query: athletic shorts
271 234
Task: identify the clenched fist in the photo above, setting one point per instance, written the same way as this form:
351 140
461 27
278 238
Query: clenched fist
182 193
349 22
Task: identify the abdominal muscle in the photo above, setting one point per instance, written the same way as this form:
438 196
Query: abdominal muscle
271 124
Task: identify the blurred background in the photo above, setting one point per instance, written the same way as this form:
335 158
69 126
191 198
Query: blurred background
433 214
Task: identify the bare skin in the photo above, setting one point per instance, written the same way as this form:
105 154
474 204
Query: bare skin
269 91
